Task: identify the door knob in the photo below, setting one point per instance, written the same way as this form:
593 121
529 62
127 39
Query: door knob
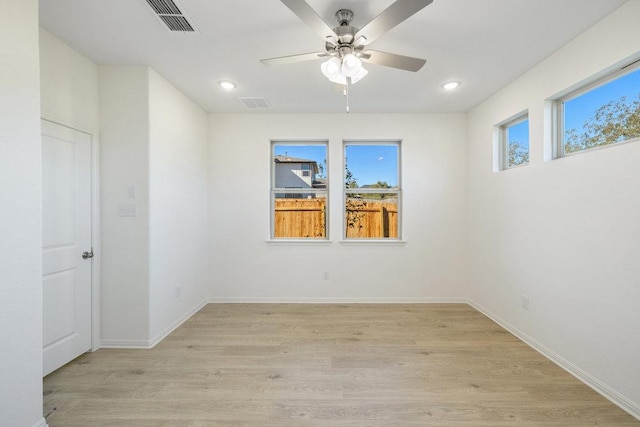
87 255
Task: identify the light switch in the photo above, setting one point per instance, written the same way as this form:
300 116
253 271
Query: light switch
131 191
128 209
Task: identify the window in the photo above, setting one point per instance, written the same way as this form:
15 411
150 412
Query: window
603 113
514 142
298 190
372 190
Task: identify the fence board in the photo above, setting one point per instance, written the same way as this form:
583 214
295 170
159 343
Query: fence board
300 218
371 218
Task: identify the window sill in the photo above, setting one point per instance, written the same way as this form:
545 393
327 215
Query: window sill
299 242
373 242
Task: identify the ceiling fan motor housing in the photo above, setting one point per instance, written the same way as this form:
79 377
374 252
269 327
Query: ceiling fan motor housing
344 16
345 34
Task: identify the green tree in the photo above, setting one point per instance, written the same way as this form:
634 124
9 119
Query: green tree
380 184
321 168
380 196
350 181
517 155
615 121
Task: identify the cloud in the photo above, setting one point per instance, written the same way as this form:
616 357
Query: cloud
380 158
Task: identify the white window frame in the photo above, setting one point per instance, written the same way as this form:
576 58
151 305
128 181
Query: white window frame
503 139
557 110
397 190
291 191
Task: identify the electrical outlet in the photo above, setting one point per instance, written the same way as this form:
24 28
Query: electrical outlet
325 275
177 291
525 302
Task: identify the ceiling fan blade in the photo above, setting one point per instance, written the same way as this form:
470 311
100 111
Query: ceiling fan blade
394 60
389 18
291 59
309 16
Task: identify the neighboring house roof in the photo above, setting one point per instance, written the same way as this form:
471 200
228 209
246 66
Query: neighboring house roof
319 183
286 159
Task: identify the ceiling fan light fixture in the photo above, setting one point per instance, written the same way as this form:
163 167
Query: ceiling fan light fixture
338 69
357 77
331 68
351 65
339 79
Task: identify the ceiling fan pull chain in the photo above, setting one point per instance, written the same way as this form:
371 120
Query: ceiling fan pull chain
347 92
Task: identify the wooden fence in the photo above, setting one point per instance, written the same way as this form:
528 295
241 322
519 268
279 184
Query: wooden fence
364 218
300 218
371 218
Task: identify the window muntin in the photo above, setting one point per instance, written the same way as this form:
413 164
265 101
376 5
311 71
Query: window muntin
604 113
514 142
372 190
299 190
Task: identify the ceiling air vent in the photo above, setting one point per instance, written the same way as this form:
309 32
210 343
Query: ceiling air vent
170 14
254 103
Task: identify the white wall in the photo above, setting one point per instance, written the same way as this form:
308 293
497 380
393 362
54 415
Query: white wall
564 232
178 206
430 266
124 162
154 139
20 217
69 85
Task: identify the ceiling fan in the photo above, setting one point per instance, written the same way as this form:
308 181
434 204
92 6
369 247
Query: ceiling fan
346 46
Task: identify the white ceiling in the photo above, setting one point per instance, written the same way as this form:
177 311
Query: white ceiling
483 43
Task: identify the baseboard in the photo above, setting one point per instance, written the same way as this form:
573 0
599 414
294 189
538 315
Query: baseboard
147 344
598 386
368 300
132 344
41 423
173 326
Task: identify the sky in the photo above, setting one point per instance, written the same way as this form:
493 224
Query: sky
372 163
520 133
317 152
368 163
580 109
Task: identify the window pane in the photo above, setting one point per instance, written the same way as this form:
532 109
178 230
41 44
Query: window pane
296 216
299 191
517 140
299 166
604 115
372 215
371 166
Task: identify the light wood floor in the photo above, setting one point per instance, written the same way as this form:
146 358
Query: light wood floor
326 365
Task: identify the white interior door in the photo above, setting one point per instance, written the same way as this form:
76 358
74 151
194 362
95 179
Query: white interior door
66 223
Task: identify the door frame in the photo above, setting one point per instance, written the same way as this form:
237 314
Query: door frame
95 226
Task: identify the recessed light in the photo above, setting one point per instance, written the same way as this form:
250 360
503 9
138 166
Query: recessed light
227 85
451 85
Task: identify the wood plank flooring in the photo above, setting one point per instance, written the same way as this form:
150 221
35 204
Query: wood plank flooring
326 365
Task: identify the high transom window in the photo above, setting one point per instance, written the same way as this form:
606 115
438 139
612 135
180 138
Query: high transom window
603 113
